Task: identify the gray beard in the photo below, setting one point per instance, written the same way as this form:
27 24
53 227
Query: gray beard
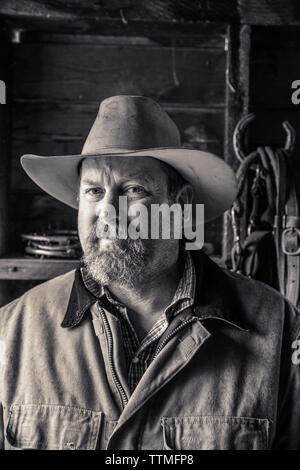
123 262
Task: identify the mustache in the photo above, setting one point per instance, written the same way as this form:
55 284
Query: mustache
122 245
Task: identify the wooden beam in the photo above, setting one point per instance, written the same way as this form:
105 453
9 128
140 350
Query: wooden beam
176 74
266 12
118 17
106 27
148 16
208 36
4 141
124 10
237 104
30 268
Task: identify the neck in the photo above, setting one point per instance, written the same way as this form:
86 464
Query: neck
152 293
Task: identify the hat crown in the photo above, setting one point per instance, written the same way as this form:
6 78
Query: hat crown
133 123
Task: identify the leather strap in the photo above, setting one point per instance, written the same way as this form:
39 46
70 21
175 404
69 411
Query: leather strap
275 210
290 241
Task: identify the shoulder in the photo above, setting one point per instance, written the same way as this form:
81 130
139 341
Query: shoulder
233 285
42 299
263 302
253 302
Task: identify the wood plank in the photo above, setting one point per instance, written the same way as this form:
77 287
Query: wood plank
20 268
208 36
264 12
237 85
237 103
5 122
77 15
106 27
76 12
5 228
180 75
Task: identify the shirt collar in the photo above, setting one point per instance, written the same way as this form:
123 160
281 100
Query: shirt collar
185 290
213 294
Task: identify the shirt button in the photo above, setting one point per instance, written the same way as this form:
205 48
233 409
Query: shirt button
135 360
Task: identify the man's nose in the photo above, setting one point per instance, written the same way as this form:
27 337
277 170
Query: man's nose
109 204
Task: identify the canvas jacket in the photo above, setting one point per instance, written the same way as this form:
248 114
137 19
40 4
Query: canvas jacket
224 376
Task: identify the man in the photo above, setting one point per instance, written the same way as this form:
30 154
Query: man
146 345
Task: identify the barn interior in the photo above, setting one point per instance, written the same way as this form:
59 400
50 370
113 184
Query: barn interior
208 63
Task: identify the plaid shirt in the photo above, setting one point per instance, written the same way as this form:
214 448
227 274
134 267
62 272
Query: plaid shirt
138 354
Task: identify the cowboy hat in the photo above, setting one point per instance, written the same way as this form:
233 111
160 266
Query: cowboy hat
135 126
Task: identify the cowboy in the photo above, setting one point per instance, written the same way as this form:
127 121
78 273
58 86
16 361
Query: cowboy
146 345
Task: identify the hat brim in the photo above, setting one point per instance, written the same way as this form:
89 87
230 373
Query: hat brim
213 180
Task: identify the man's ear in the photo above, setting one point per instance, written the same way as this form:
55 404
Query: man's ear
185 195
78 193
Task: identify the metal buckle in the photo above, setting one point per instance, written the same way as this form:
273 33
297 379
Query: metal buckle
286 232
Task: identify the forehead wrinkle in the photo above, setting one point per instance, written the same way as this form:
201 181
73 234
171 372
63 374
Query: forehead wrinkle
106 172
97 172
118 169
139 176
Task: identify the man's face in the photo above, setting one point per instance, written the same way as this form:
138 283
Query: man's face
103 180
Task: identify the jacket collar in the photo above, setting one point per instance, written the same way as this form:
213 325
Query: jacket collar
215 296
79 302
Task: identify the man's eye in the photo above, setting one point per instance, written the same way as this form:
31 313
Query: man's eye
135 190
94 191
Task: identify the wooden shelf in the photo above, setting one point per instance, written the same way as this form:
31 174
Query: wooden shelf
21 268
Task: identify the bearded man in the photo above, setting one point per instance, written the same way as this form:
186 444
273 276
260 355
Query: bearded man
146 345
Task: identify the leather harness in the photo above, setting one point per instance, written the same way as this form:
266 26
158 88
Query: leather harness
265 215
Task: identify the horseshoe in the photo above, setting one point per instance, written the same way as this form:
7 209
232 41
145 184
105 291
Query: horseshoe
290 136
239 135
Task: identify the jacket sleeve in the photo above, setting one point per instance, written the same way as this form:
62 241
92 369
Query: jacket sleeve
287 435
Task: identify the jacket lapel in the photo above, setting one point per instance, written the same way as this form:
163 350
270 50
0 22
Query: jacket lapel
214 299
170 361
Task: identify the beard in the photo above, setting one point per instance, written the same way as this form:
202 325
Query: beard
120 260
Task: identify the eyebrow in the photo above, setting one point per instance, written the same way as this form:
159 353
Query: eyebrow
144 178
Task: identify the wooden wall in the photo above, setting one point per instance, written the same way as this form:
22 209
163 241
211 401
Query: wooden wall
58 82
